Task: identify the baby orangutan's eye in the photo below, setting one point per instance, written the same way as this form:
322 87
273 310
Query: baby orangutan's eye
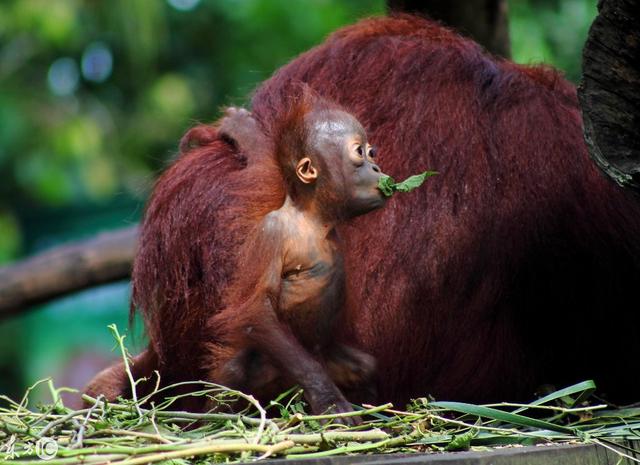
373 152
359 150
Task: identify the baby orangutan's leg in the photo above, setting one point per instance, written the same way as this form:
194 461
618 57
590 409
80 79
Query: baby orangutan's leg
248 371
353 371
349 367
256 327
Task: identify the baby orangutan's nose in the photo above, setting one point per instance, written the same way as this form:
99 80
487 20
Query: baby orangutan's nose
377 172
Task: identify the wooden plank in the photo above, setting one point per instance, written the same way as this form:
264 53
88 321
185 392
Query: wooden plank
535 455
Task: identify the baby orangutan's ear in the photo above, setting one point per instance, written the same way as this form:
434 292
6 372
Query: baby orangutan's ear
305 171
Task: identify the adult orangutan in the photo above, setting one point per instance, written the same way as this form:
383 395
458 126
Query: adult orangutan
514 268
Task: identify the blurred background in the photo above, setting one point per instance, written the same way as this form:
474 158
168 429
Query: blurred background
94 97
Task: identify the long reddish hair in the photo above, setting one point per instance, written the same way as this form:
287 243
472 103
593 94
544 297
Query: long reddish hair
453 286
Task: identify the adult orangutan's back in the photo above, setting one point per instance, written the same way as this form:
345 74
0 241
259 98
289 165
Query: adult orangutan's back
512 268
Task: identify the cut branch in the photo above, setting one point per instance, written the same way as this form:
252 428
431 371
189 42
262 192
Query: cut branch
610 91
105 258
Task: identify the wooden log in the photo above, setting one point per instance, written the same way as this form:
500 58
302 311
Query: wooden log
102 259
610 90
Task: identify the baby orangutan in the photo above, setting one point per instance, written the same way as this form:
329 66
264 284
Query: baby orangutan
276 329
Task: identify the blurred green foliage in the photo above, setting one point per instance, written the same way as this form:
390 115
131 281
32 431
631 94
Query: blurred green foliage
551 31
94 96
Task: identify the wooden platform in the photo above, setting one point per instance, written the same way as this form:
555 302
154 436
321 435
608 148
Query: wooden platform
536 455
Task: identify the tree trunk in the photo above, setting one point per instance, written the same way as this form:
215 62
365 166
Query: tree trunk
610 90
485 21
67 268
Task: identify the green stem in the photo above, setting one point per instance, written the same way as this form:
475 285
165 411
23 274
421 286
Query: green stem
179 414
207 450
334 436
62 420
71 460
355 413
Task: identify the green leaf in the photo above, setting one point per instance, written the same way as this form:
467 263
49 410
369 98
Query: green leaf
633 413
584 389
413 182
388 185
500 415
385 184
462 441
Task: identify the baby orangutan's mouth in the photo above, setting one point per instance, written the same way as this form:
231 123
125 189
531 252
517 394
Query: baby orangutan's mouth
379 200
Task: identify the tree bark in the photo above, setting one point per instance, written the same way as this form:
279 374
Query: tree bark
485 21
610 90
105 258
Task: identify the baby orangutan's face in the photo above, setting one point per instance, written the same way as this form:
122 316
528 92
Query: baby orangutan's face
347 160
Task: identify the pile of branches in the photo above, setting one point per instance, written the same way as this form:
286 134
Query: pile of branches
139 431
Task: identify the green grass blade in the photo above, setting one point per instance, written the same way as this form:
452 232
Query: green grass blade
585 388
506 417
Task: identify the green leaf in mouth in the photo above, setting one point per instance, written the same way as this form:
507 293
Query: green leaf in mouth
388 185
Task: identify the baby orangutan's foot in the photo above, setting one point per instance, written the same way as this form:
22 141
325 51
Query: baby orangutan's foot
338 405
350 368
